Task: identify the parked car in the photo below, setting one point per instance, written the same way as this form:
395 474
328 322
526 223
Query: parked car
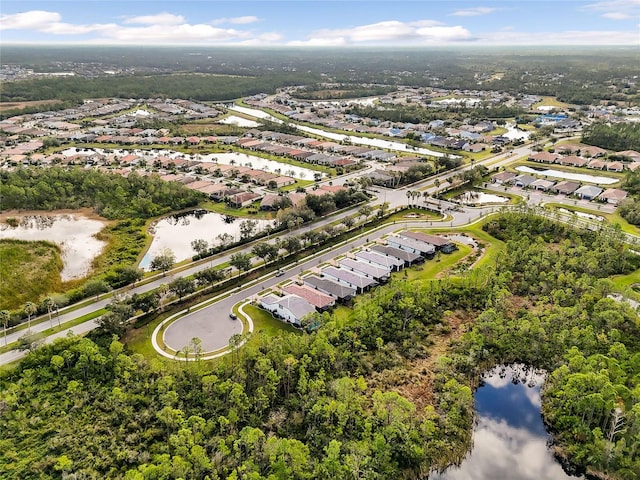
233 316
279 273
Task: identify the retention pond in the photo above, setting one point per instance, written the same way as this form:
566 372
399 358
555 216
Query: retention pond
509 439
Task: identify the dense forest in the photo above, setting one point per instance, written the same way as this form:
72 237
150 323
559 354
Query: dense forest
416 114
616 137
629 208
581 75
365 398
191 86
112 196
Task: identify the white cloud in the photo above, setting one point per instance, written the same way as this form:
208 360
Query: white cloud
162 28
390 32
47 22
158 19
616 16
32 20
61 28
473 12
184 33
235 20
568 37
616 9
320 42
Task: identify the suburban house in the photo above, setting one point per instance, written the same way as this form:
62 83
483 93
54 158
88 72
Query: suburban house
630 154
614 166
565 187
392 263
411 245
573 161
544 157
408 258
291 308
588 192
320 300
352 279
503 177
377 272
340 292
243 199
523 181
613 195
597 164
542 185
441 243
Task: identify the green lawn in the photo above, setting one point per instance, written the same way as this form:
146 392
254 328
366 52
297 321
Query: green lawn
549 101
431 268
265 324
252 211
28 270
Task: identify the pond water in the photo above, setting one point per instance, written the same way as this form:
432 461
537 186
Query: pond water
238 159
509 439
580 177
244 160
239 121
176 232
514 133
473 197
74 234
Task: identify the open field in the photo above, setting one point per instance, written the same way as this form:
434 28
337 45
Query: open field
28 270
550 102
4 106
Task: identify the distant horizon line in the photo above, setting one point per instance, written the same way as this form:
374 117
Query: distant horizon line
308 47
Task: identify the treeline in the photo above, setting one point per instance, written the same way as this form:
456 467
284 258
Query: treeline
629 208
616 136
111 195
190 86
418 114
287 407
324 92
44 107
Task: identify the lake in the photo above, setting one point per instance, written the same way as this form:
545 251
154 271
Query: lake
479 198
74 234
176 232
509 440
258 163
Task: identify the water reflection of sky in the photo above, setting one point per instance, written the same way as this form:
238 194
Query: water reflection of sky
176 232
73 233
509 440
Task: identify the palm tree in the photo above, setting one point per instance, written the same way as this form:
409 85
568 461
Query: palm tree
5 316
30 309
409 195
49 304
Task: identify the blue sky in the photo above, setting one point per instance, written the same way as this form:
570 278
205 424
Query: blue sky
322 23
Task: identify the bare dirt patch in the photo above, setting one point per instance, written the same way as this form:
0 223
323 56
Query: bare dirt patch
415 380
419 389
20 105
